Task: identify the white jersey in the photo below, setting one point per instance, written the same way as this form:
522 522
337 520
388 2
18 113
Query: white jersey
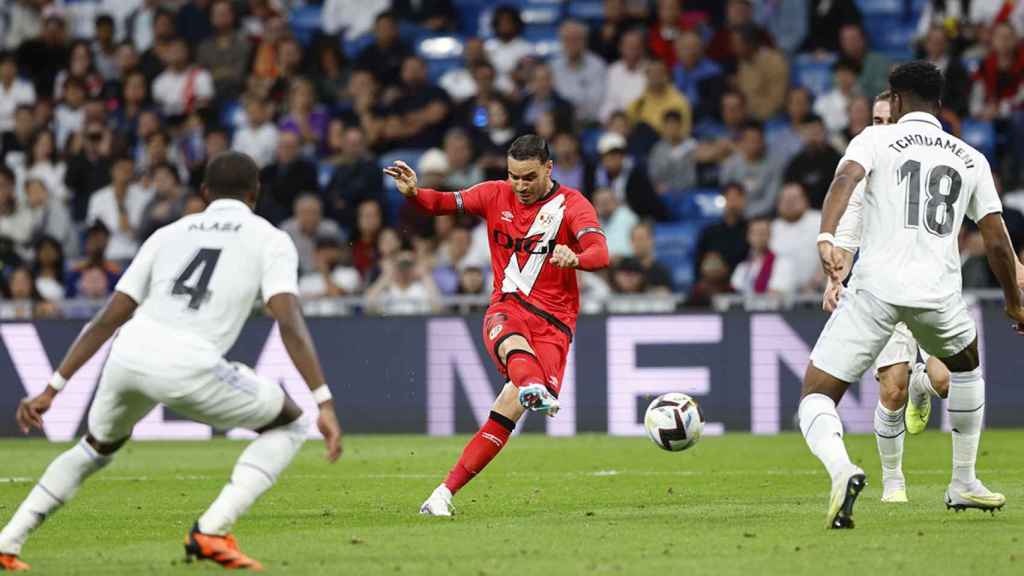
196 282
920 184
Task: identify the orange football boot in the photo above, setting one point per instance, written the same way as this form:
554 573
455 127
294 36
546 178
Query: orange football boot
10 563
221 549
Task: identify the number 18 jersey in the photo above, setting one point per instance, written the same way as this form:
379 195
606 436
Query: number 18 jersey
196 282
920 184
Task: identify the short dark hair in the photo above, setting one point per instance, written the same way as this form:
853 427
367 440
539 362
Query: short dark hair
813 119
883 95
673 116
104 19
734 185
846 64
752 125
8 56
232 175
6 171
166 166
920 79
529 147
385 15
507 10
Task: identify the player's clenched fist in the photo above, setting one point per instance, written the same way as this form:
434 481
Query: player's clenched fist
563 257
405 178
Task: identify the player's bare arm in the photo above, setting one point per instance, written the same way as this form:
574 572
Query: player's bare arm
118 310
286 310
1003 261
836 201
830 298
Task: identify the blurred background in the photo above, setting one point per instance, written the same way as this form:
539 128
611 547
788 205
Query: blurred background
705 132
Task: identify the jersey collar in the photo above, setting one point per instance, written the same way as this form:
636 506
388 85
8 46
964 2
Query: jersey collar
228 204
554 190
920 117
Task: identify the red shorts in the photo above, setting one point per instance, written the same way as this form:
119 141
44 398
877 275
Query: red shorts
549 343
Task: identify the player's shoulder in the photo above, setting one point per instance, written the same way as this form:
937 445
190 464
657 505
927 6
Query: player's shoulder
572 195
489 188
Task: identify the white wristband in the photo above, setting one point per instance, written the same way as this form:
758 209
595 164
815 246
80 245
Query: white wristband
322 394
826 237
57 382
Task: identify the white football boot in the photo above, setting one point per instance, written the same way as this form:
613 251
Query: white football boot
894 490
960 496
439 503
846 486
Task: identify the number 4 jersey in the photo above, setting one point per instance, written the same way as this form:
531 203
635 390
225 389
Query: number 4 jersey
522 238
196 281
920 184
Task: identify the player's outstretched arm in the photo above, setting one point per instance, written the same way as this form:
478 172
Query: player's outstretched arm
115 313
1003 261
285 308
836 201
431 201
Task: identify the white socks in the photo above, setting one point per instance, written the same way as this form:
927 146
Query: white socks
57 485
966 412
823 431
256 471
889 433
921 385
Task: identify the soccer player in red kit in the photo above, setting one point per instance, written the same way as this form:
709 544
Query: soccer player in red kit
540 233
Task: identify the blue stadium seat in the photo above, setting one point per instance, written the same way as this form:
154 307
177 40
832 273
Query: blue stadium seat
696 205
324 171
410 156
305 23
441 53
352 48
231 115
892 7
675 246
892 36
981 135
589 10
813 73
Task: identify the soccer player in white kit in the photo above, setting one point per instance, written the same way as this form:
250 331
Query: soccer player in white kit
176 311
921 182
892 367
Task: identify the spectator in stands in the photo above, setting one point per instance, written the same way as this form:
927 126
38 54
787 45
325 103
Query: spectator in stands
825 18
815 165
15 144
471 283
758 169
79 67
493 139
328 68
794 236
762 272
508 47
369 223
762 74
193 22
434 15
673 160
127 61
69 115
579 75
712 280
462 171
258 136
872 67
385 56
570 168
48 216
658 98
13 91
785 134
354 18
670 22
305 116
956 88
48 269
154 58
44 164
25 22
215 141
606 36
132 101
282 181
403 288
627 76
460 83
43 56
739 15
657 277
628 277
699 78
833 105
14 222
278 59
104 47
89 167
717 135
727 238
859 115
226 53
94 276
167 203
356 178
119 207
999 80
306 226
617 221
140 23
452 257
543 98
331 276
182 87
418 117
627 179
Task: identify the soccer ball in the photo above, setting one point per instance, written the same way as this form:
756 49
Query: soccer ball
674 421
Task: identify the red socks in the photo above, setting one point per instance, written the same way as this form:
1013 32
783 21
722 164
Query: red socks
484 446
523 368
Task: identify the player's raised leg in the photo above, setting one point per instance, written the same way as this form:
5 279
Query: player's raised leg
930 379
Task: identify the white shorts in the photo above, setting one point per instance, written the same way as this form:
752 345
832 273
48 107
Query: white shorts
900 349
861 325
229 396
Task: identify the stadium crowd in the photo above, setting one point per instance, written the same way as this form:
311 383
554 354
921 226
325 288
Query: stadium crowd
695 127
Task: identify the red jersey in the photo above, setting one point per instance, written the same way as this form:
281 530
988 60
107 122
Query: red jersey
522 238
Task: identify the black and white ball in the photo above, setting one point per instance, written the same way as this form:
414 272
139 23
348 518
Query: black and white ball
674 421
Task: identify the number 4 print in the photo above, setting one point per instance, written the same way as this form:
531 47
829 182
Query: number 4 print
204 262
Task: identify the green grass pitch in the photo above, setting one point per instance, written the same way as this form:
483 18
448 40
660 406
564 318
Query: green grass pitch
587 505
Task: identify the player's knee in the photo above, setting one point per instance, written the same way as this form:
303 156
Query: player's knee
515 342
105 448
892 386
290 420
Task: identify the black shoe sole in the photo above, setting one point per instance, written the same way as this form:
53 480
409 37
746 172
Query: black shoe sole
844 519
962 507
